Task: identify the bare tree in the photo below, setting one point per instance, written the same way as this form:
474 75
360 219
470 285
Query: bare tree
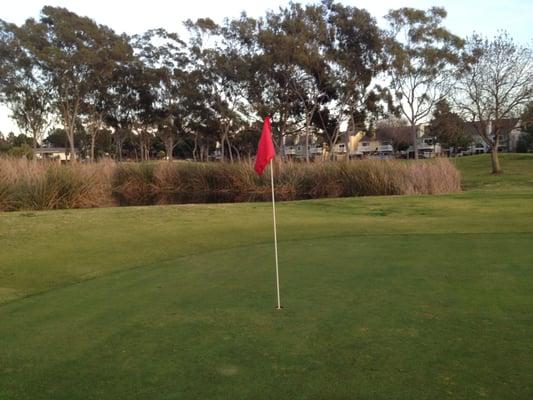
421 53
496 83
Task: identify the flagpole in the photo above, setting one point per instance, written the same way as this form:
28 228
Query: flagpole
275 230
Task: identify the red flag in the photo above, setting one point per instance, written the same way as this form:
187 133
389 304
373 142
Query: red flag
265 149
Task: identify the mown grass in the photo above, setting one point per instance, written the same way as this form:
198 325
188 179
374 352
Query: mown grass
400 297
517 173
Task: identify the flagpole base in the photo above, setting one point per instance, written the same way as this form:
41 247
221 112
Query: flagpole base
279 308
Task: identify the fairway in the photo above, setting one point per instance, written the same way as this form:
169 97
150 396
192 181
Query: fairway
400 297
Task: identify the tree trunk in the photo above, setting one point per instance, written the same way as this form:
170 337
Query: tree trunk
70 135
347 144
222 149
229 149
195 148
169 147
93 140
496 169
415 144
237 152
307 123
119 150
331 150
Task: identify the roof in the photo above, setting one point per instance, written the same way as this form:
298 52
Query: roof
398 134
505 126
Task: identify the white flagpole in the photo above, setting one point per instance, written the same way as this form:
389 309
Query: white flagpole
275 231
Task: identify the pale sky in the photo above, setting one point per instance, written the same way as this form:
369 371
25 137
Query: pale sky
135 16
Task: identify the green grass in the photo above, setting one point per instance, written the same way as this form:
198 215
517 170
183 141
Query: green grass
420 297
517 173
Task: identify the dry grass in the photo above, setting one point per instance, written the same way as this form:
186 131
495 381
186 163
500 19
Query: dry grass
29 185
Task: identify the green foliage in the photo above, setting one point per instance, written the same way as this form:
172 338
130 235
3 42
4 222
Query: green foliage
74 60
22 151
311 67
448 127
422 57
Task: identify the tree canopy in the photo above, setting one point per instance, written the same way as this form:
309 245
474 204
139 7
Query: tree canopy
319 70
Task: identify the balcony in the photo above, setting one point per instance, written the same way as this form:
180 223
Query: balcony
385 148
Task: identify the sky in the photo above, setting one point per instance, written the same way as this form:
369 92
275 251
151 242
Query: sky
133 16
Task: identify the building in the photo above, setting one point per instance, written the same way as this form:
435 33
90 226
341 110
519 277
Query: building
295 147
59 154
510 132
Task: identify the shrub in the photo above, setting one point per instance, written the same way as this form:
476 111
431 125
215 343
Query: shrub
26 185
133 183
31 185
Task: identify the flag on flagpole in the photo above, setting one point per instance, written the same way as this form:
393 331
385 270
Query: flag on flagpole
265 149
265 154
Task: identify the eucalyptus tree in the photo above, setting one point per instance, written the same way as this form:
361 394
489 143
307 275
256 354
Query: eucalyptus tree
422 53
22 87
496 84
275 89
218 55
356 59
163 55
313 76
294 78
101 98
195 121
128 94
69 51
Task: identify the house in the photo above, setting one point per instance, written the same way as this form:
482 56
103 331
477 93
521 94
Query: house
510 132
373 147
295 147
59 154
363 145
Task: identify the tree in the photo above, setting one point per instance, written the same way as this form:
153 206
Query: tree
421 55
164 61
101 97
22 88
129 93
448 127
57 137
356 60
22 151
495 84
5 146
70 52
224 68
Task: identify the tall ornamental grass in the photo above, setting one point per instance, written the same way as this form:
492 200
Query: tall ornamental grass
32 185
